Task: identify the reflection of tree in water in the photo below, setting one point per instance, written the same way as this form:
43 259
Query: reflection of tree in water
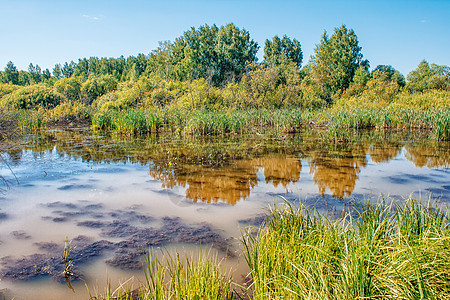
225 169
431 155
381 152
281 170
231 182
337 168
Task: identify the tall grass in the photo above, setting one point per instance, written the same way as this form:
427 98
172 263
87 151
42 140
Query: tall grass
437 120
388 251
197 122
199 276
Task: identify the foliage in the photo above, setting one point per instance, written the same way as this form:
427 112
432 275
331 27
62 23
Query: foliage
11 74
335 61
216 54
7 88
96 86
69 111
38 95
282 51
389 74
426 77
69 87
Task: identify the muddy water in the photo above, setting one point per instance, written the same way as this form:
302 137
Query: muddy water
115 197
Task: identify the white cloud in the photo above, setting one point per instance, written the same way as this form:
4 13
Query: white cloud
92 18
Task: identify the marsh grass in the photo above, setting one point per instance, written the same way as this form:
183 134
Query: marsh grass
168 276
388 251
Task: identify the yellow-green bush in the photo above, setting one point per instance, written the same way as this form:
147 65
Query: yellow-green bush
69 112
70 87
129 94
199 94
427 100
96 86
33 96
7 88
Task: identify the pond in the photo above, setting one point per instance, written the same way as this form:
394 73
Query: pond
114 197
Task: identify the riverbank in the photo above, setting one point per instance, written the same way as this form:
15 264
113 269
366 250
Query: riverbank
382 250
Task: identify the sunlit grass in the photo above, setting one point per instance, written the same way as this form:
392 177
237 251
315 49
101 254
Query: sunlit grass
167 276
389 251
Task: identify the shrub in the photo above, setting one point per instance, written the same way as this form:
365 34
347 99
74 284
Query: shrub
33 96
96 86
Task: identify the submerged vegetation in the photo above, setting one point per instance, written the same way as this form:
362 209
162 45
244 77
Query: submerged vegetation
208 82
377 251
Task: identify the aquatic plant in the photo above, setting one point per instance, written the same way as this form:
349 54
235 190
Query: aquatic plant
387 251
169 276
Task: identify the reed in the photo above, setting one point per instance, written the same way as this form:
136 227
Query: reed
388 251
200 276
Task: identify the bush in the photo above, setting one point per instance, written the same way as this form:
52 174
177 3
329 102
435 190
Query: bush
96 86
33 96
70 88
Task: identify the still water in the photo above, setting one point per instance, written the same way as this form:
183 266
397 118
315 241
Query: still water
114 197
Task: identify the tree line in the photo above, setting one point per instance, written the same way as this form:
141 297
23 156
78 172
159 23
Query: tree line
224 59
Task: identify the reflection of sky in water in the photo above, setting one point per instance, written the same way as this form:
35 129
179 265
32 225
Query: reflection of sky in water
160 179
227 171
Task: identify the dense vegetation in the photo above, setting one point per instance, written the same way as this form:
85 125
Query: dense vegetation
383 251
212 69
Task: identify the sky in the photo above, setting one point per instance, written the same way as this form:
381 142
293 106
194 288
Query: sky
400 33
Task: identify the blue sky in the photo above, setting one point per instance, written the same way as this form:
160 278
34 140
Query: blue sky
397 32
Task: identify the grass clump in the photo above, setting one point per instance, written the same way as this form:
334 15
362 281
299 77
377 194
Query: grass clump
200 276
387 251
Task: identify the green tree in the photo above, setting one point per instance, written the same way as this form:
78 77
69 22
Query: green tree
57 71
426 77
335 61
82 68
68 69
361 77
216 54
46 75
11 74
279 51
160 60
390 74
34 73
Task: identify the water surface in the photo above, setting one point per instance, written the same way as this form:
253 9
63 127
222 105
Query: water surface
115 196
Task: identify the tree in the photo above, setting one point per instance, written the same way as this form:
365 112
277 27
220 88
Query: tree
46 74
427 76
34 73
335 61
160 60
57 71
68 69
361 77
390 74
280 51
11 74
216 54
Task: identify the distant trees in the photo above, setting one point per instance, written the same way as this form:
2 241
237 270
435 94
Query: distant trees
390 74
335 61
427 76
216 54
211 67
10 74
282 51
